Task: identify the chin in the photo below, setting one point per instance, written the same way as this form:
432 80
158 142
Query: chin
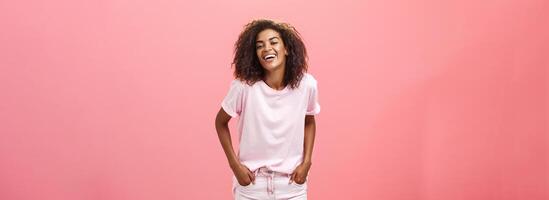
270 67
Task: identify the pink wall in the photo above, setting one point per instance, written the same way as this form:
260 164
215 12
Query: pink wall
423 100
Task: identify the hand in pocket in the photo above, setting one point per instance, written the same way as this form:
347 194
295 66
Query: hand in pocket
243 175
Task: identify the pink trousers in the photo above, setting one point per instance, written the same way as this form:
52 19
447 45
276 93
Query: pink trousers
270 185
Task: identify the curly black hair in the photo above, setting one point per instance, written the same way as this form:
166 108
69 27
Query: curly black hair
247 66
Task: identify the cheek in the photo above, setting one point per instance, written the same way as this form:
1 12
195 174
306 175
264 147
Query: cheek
282 49
258 55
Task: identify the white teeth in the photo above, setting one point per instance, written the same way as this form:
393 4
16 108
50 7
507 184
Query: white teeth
268 56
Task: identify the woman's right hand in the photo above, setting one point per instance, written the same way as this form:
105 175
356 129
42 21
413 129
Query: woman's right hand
243 175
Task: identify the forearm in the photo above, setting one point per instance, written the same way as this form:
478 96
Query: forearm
310 129
224 136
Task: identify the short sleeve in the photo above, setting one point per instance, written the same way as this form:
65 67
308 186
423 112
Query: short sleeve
232 103
313 106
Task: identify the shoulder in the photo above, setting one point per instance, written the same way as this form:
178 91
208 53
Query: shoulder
237 83
237 86
308 80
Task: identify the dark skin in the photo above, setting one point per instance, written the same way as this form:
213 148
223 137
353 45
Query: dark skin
241 172
268 42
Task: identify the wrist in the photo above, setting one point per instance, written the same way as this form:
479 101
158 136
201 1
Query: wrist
307 163
234 165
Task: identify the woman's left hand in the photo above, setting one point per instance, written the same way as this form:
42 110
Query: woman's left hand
299 175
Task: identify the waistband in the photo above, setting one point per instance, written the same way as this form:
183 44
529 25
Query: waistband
264 171
270 175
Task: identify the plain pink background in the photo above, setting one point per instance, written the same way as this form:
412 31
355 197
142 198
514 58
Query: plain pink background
421 100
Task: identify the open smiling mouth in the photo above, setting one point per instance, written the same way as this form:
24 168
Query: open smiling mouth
269 58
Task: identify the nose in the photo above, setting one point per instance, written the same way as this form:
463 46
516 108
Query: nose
268 47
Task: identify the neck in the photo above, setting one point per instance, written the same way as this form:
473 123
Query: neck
275 79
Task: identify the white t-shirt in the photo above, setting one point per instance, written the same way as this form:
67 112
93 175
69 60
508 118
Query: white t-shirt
271 122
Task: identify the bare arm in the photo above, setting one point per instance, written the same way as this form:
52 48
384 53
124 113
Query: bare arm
223 133
310 129
300 173
241 172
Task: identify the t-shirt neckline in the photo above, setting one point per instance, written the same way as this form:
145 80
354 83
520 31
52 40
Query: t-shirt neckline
272 90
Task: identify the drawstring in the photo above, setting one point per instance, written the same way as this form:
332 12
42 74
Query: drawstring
270 178
270 185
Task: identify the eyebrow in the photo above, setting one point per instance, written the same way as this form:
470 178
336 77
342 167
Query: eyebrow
275 37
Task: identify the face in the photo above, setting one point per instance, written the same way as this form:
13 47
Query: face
270 50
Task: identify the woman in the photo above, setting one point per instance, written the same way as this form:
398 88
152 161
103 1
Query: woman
275 100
